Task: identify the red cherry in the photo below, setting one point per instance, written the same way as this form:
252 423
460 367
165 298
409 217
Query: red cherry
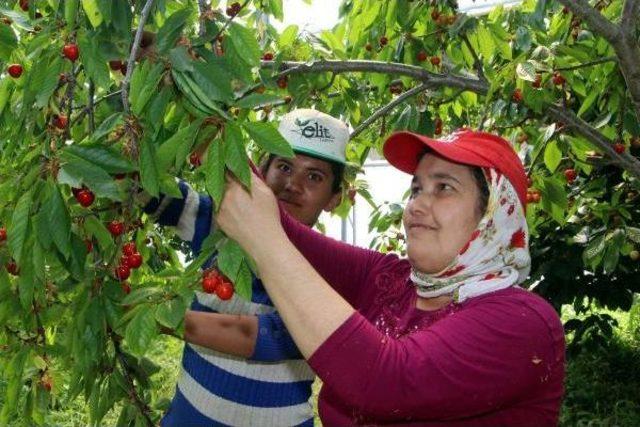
383 41
123 69
134 260
60 121
85 197
535 196
13 268
129 248
126 287
619 147
435 14
46 382
435 60
538 81
368 47
268 56
194 159
24 5
120 176
116 228
210 284
224 291
115 65
14 70
558 79
283 82
3 234
529 197
421 56
71 51
89 244
570 174
122 272
517 95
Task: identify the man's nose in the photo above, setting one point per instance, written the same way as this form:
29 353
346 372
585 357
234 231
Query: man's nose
293 183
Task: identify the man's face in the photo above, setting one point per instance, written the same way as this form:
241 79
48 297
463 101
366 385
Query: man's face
303 185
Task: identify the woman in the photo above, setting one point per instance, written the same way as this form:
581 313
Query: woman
444 337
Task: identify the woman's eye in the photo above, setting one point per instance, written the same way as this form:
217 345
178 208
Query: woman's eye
445 187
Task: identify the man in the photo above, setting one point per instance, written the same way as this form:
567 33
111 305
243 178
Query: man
240 366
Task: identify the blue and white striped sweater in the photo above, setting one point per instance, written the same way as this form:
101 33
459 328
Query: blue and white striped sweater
273 387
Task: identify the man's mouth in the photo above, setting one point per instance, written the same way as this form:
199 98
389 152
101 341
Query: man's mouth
289 202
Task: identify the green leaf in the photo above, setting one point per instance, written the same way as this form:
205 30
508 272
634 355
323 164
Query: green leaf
106 158
214 171
268 138
49 83
170 32
235 155
633 234
526 71
8 42
59 219
107 126
92 12
149 174
180 59
20 225
612 252
70 12
257 100
76 171
211 80
594 251
485 42
171 313
141 331
552 156
245 41
288 36
166 154
229 259
555 192
94 62
275 6
243 282
140 295
148 86
96 228
588 102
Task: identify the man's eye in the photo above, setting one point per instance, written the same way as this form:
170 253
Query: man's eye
415 191
315 177
284 167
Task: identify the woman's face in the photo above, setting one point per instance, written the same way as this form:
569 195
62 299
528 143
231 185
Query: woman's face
441 214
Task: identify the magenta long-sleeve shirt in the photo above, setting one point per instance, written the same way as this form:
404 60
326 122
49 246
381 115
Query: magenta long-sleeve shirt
496 359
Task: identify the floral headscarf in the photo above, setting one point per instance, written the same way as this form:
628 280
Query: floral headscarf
495 257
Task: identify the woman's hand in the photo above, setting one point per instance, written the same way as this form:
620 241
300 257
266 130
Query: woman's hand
251 219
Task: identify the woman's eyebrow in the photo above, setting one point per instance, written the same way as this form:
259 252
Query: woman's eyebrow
444 175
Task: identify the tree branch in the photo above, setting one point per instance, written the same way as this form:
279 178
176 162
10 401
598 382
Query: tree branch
133 55
90 107
226 24
364 66
387 108
630 14
583 10
588 64
142 407
203 7
477 63
566 116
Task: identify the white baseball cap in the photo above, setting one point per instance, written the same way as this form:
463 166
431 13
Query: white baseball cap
315 134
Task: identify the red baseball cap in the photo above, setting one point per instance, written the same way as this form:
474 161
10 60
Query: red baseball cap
466 146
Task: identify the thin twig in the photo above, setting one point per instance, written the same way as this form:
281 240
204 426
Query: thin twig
83 113
142 407
588 64
477 63
387 108
133 55
91 106
226 24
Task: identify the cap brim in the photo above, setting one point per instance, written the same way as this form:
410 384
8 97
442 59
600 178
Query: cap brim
403 151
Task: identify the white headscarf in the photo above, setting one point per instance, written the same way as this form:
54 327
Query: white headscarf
495 257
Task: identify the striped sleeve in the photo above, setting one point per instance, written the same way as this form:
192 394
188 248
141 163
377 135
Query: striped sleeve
192 214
